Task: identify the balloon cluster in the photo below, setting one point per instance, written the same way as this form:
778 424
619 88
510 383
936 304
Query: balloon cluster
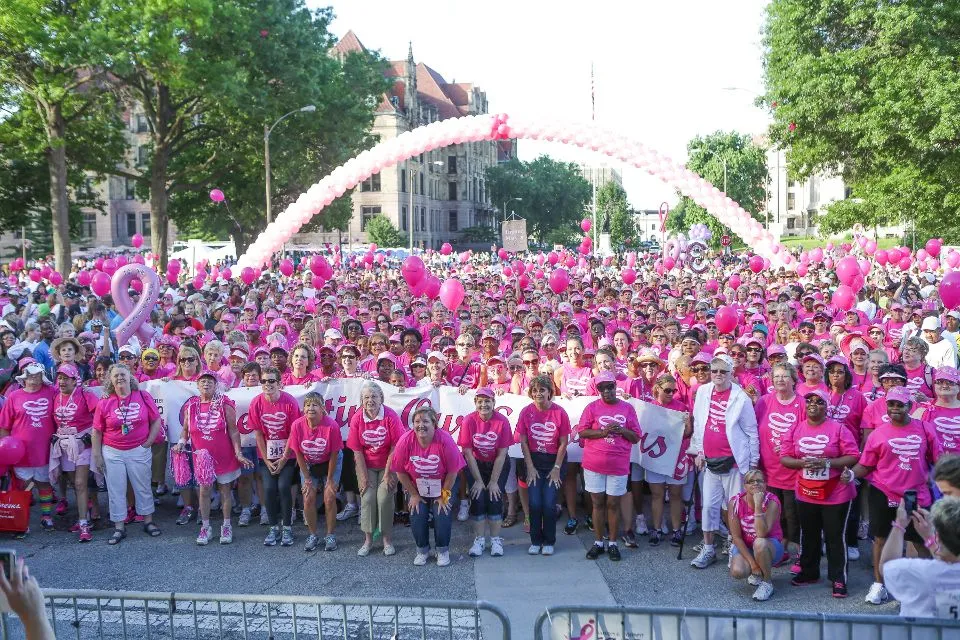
700 232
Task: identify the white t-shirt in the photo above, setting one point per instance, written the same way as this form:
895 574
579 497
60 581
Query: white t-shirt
942 353
925 588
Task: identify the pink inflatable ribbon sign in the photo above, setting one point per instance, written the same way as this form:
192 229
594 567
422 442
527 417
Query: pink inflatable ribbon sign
136 317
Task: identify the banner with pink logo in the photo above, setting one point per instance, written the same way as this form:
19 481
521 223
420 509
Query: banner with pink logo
657 451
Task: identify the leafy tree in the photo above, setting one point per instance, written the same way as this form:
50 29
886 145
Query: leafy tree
382 232
53 81
612 206
869 92
746 178
479 234
553 194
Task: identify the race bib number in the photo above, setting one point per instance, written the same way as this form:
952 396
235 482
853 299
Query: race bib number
428 487
816 474
275 449
948 604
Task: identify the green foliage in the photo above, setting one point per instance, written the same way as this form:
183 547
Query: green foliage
873 90
380 231
612 205
746 180
479 234
553 194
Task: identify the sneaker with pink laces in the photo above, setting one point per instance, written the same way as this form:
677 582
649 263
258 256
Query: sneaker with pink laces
61 506
85 534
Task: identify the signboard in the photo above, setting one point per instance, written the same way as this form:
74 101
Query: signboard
725 241
515 235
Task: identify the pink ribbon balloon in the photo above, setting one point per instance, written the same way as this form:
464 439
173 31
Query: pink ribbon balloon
136 317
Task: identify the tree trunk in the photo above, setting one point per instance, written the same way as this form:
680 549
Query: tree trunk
59 201
159 223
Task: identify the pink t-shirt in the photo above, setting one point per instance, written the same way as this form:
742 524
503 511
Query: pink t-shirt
467 375
775 419
375 438
485 437
287 377
317 444
831 439
630 386
610 455
715 442
946 422
848 407
743 509
137 411
683 458
573 379
902 457
29 417
433 462
274 420
803 388
874 415
208 431
543 429
75 411
917 380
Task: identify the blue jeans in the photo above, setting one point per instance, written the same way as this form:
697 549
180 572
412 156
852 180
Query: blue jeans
442 524
484 507
543 498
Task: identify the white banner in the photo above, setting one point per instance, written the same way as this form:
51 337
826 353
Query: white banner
657 451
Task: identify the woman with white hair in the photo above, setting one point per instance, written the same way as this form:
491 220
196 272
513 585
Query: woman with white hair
126 424
213 354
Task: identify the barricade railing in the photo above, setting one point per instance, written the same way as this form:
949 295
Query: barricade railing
89 614
664 623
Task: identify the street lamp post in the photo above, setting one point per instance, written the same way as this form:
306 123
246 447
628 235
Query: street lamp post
506 202
266 147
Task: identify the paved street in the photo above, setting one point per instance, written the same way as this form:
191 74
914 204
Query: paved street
520 584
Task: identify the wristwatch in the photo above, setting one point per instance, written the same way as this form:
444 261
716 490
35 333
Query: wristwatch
556 466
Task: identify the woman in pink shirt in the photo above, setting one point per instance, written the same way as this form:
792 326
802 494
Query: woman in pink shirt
426 461
126 424
315 439
301 367
543 430
944 414
485 436
754 517
213 357
814 369
188 365
817 449
608 429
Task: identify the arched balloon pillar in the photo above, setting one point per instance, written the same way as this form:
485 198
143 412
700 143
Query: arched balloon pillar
497 127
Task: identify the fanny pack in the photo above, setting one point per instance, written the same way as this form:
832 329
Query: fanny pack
816 490
721 465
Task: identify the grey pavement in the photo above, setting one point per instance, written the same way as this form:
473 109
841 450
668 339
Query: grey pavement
521 585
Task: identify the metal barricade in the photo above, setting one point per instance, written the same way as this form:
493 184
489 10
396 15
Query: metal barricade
89 614
666 623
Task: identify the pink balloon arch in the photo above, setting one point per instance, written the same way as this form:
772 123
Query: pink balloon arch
498 127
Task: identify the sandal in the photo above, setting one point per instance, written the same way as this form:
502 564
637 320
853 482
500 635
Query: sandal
118 535
509 521
151 529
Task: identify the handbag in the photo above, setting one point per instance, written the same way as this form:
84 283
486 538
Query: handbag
14 509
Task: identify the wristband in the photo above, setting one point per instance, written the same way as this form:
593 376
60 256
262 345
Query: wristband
556 466
931 543
897 525
444 496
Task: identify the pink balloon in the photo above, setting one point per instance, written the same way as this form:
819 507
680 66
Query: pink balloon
828 263
905 263
870 248
136 241
846 246
894 255
953 259
816 254
844 297
452 293
559 280
553 258
413 270
632 259
584 249
933 264
539 274
100 284
847 269
317 282
174 266
98 264
586 224
310 304
110 266
862 241
55 278
198 282
446 249
432 288
628 275
570 262
802 270
136 285
35 275
933 246
922 255
881 257
45 272
726 319
121 261
541 259
464 256
864 266
83 278
248 275
368 259
518 267
507 272
829 246
12 450
216 195
669 263
950 290
756 264
712 286
502 254
172 278
734 282
226 274
286 267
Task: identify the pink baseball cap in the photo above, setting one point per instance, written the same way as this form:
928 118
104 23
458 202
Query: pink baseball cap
947 373
604 377
899 394
69 370
814 357
820 393
776 350
485 392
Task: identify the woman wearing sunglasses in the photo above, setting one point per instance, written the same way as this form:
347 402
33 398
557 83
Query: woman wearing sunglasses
944 414
188 370
817 449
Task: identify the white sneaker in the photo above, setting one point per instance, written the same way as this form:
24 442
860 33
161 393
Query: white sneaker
420 559
204 537
877 594
754 580
364 550
640 526
264 517
443 558
464 513
763 592
349 511
547 550
226 533
704 559
863 531
853 554
496 547
244 518
533 550
479 544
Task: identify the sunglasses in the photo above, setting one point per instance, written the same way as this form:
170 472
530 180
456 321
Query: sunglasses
531 362
649 365
719 372
738 354
816 400
151 359
754 349
896 404
268 381
188 359
128 356
668 390
348 356
703 369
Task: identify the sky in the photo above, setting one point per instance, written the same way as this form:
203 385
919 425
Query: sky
661 69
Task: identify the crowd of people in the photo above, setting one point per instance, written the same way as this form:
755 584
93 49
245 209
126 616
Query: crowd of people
808 427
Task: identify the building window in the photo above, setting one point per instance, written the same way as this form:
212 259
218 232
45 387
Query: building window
371 184
403 218
88 229
422 178
145 224
131 189
791 201
452 217
366 213
142 154
142 126
791 223
403 180
131 223
423 217
451 191
451 164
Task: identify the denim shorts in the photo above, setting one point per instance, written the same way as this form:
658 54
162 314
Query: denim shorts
250 453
